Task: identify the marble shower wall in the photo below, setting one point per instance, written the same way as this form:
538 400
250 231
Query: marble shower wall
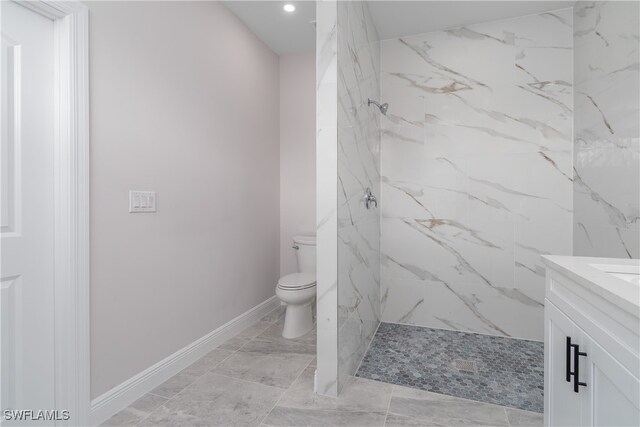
358 168
476 173
326 197
347 162
606 129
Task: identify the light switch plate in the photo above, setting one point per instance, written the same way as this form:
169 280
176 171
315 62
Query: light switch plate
142 201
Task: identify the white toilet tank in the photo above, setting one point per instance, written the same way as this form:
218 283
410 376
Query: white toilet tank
306 253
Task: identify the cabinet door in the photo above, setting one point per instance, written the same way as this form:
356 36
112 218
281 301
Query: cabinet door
614 391
563 406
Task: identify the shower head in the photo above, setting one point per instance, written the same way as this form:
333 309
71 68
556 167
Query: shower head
383 107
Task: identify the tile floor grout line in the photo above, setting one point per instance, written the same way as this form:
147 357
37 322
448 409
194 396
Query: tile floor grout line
231 353
506 416
247 381
184 388
167 401
393 388
283 393
152 394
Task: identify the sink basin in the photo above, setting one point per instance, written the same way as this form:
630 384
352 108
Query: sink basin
628 273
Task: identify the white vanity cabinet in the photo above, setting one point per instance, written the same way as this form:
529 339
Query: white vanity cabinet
592 344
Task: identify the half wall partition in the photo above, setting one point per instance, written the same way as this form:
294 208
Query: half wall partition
348 163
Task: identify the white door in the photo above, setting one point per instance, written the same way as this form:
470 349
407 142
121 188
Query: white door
27 215
562 406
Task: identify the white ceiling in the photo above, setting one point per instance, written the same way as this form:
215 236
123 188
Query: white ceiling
283 32
287 33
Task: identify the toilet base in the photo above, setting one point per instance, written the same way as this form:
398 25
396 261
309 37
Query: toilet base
298 320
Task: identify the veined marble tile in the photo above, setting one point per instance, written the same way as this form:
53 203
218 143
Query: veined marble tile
607 187
358 250
327 195
358 264
464 211
407 111
354 176
464 308
401 160
533 239
445 184
407 303
526 187
449 251
596 241
607 129
402 198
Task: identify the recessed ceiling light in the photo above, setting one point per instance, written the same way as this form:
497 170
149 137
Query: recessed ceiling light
289 7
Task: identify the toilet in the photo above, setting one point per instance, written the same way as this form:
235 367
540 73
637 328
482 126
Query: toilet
298 290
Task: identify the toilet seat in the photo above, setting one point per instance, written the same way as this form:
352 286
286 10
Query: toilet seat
297 281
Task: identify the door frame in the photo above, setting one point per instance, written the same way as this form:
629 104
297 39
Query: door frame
71 205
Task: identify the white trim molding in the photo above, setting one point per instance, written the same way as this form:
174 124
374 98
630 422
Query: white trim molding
71 198
124 394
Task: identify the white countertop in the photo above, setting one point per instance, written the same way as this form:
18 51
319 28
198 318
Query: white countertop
618 288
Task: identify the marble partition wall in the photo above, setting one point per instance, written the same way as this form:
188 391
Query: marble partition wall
607 129
358 169
326 197
476 173
348 162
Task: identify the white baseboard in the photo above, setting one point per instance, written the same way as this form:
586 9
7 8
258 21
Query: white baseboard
124 394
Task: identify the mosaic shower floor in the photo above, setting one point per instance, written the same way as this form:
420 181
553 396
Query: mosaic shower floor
498 370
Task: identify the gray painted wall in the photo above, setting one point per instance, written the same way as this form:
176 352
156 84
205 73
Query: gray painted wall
297 153
182 103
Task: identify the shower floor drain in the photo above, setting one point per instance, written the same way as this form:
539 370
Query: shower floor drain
465 365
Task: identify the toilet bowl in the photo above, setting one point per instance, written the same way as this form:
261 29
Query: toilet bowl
298 290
